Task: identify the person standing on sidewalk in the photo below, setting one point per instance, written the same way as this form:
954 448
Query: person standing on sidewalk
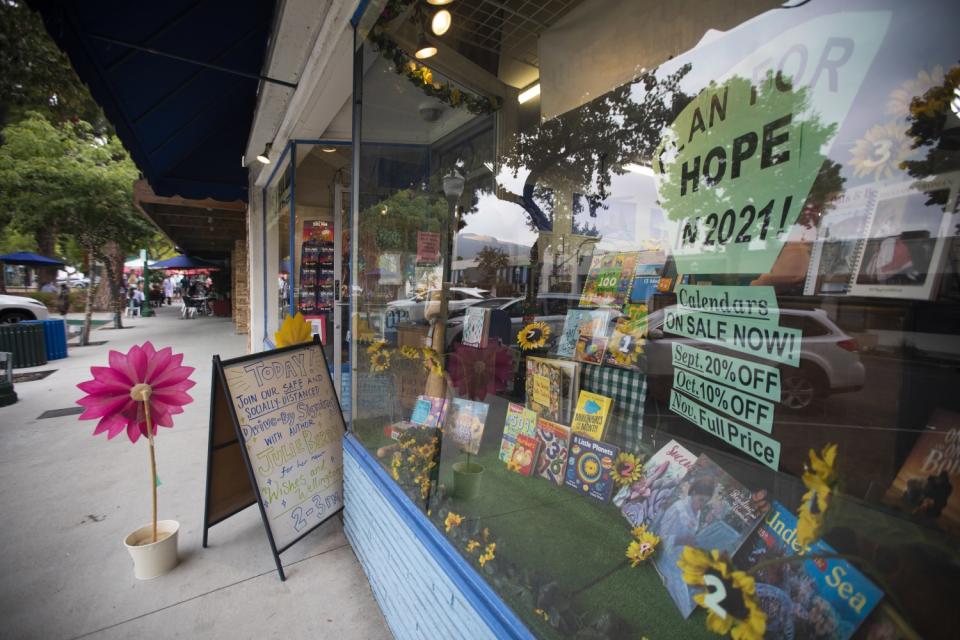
168 290
63 300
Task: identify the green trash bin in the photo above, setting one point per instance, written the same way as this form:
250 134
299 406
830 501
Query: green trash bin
26 342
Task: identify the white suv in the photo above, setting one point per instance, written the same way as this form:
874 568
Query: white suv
18 309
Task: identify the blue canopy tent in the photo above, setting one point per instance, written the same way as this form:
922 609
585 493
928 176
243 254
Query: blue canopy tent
184 262
25 259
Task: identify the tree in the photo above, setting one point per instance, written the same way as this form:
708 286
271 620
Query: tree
37 76
490 260
67 176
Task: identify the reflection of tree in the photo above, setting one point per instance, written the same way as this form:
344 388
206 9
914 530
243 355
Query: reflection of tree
588 144
392 224
490 260
934 127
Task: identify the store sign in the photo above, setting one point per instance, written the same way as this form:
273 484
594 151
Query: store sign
428 247
735 167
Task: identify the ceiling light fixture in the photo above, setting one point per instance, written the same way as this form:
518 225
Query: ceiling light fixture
529 94
328 149
424 48
264 157
439 3
441 22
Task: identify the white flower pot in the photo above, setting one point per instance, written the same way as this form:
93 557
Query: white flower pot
152 559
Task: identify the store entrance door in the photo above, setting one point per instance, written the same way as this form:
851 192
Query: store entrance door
341 300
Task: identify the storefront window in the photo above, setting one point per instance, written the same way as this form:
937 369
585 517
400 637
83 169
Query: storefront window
656 316
277 215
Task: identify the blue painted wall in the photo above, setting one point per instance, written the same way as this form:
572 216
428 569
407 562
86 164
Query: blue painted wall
423 586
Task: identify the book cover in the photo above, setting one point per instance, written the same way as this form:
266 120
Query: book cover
589 467
709 510
642 502
817 598
590 417
524 455
591 349
554 440
476 327
520 420
646 278
466 419
928 485
608 280
551 386
428 411
593 336
567 341
626 343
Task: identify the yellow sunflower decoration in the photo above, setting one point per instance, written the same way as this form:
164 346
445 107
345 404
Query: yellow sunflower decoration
487 554
452 520
820 478
379 361
880 151
471 545
431 361
534 335
626 468
293 331
730 597
410 353
642 546
375 346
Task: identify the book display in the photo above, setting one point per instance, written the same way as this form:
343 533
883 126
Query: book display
676 341
316 268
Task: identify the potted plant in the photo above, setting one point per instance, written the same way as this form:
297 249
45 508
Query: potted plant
136 393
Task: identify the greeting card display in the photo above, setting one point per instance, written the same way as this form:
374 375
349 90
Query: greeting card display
590 467
554 441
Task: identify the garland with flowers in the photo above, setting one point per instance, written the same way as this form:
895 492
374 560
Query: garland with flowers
422 78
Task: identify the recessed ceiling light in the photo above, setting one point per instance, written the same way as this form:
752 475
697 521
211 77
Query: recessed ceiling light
441 22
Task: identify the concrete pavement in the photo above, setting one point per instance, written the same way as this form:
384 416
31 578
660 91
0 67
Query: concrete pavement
68 499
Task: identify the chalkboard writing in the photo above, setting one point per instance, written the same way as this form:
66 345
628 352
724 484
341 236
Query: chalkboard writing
285 413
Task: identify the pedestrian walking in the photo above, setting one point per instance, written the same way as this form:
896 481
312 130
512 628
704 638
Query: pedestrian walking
63 300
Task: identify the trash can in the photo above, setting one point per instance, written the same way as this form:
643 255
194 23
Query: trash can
54 337
26 342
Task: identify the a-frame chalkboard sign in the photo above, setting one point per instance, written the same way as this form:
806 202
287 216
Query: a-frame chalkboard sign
276 440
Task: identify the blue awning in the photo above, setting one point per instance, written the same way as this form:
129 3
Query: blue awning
185 119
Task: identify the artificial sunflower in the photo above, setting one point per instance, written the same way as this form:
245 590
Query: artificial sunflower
410 353
294 330
487 554
472 545
643 546
452 520
379 361
534 335
513 465
626 468
728 596
880 151
376 345
820 478
431 361
626 347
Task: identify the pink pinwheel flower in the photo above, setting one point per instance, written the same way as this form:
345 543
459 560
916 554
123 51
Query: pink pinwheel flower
478 372
108 394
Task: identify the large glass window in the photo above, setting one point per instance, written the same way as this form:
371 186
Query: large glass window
656 316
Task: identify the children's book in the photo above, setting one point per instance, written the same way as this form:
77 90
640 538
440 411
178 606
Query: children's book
590 417
428 411
520 420
476 327
608 280
593 336
466 419
524 455
928 485
551 387
817 598
554 442
589 467
645 281
642 502
567 341
591 349
708 510
626 343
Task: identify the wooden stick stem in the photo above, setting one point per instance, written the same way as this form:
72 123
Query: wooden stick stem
153 463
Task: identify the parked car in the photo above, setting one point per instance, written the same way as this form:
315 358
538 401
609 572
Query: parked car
19 308
414 308
550 308
829 359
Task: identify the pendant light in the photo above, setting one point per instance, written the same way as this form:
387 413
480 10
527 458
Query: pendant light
441 22
424 48
439 3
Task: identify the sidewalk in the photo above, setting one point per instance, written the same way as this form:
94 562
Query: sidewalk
68 499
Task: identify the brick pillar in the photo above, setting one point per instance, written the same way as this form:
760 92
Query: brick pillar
241 287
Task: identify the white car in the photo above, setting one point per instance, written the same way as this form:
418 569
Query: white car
413 309
18 309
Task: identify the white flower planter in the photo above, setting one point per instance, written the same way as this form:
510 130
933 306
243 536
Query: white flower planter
152 559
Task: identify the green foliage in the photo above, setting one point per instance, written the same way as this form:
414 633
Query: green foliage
52 300
489 261
37 76
65 178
